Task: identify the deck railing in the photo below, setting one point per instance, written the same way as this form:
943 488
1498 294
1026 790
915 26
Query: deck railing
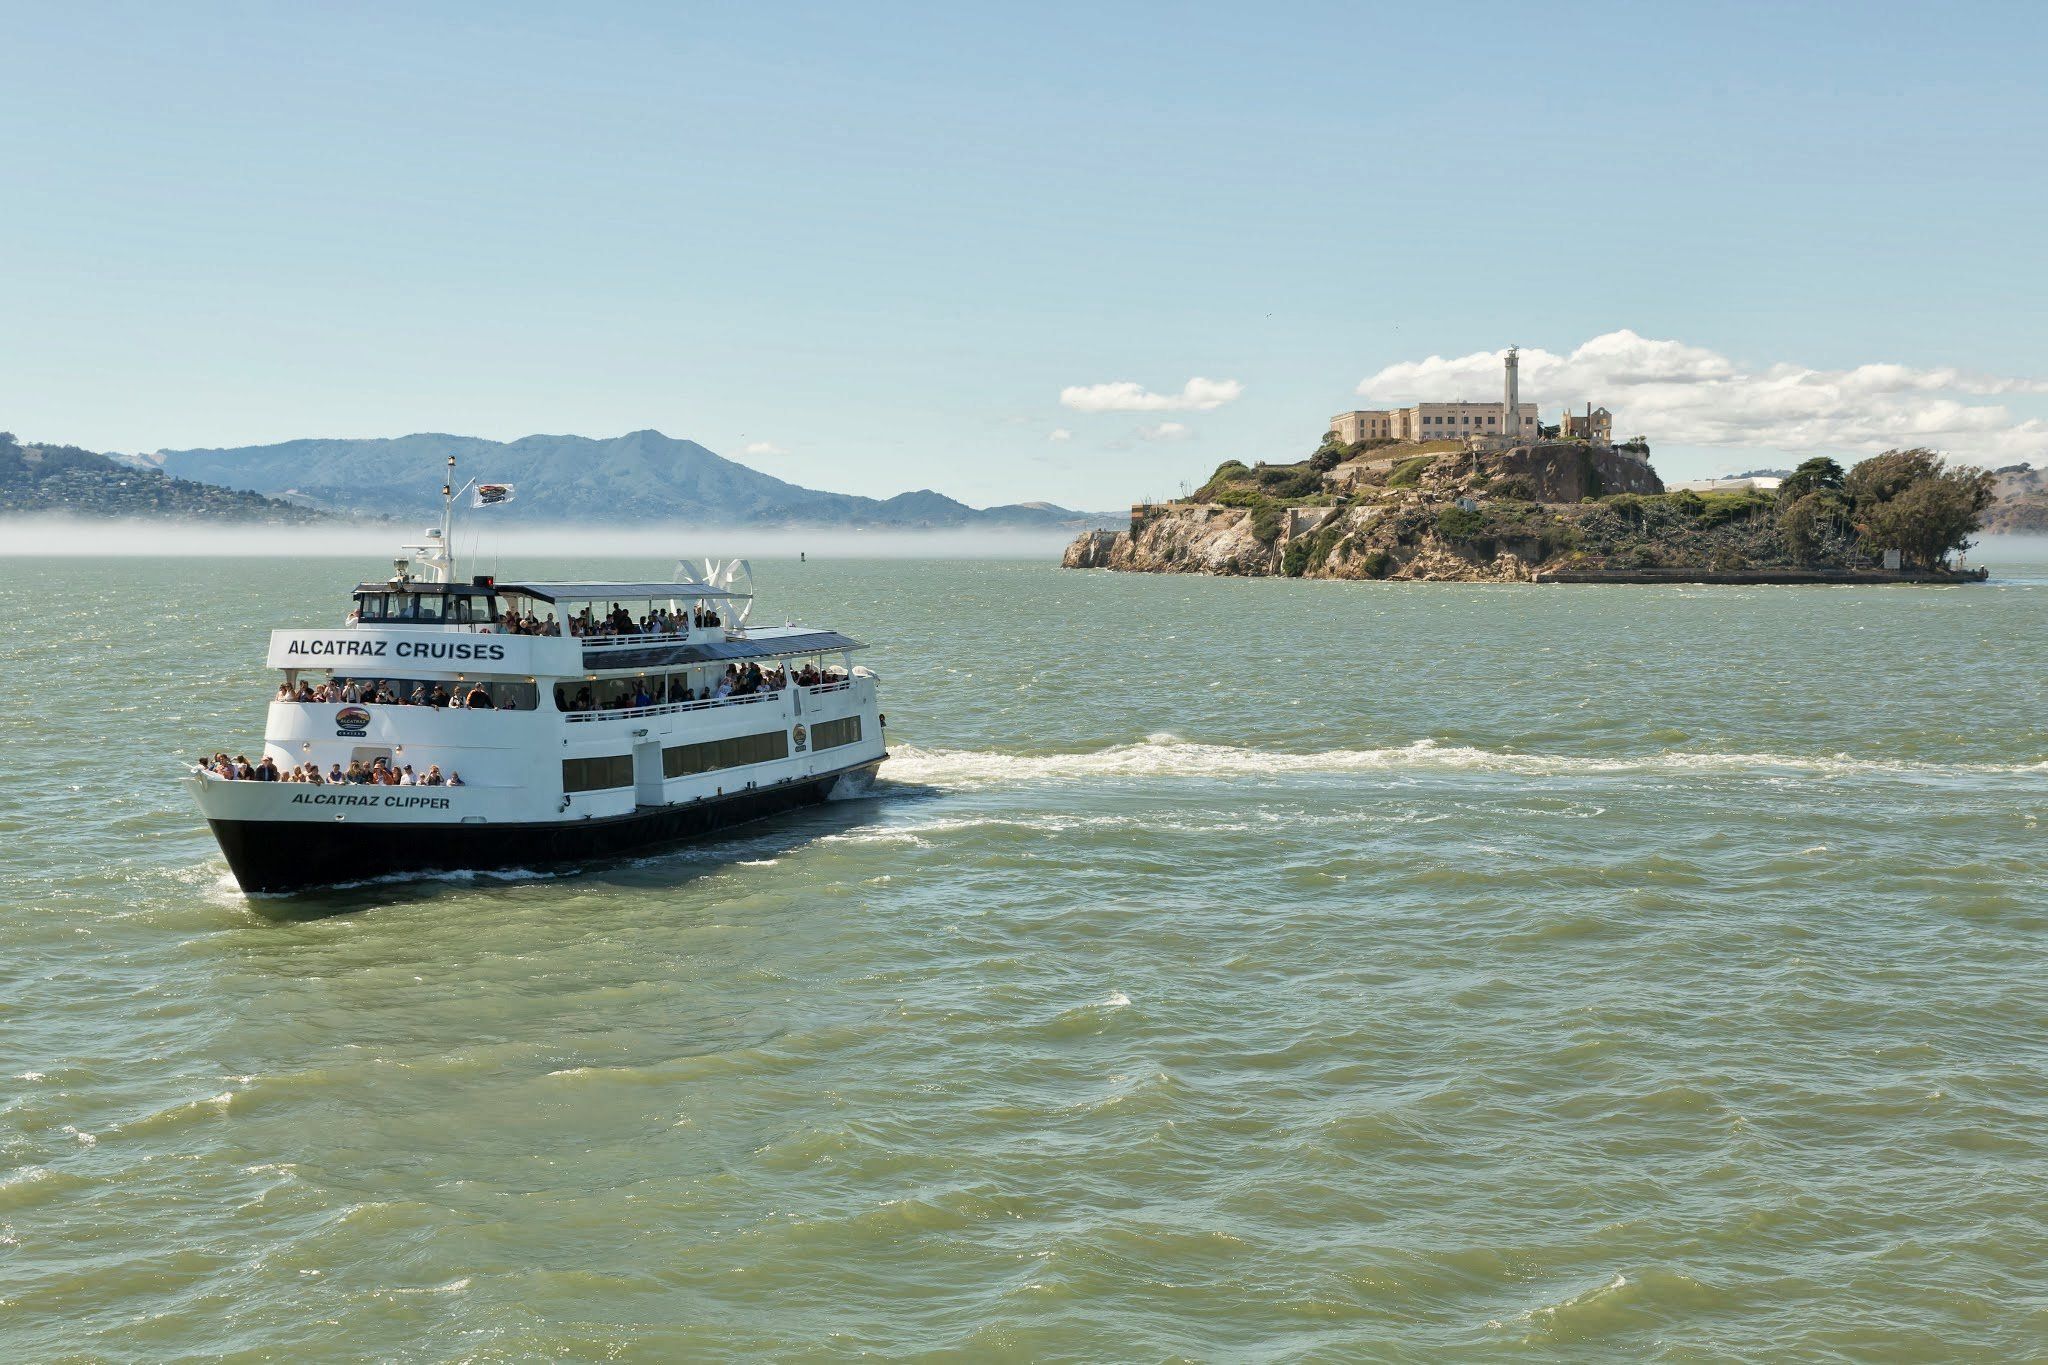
623 641
669 707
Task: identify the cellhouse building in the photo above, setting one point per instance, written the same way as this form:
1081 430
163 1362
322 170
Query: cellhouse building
1510 418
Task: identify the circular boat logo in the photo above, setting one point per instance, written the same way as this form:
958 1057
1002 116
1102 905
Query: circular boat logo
351 722
800 735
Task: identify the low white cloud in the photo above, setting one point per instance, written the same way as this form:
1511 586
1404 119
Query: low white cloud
1060 435
759 448
1680 394
1197 395
1166 431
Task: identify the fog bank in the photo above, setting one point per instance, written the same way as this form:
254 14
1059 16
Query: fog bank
60 536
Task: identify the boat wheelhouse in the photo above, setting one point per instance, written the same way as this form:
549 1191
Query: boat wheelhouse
497 724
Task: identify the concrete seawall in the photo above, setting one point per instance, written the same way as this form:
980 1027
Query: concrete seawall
1753 576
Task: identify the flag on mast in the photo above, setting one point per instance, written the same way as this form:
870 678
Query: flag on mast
492 494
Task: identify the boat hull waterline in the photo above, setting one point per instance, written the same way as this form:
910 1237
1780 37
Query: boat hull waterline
270 857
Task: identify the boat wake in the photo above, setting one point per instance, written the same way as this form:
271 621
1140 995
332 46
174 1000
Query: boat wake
1169 756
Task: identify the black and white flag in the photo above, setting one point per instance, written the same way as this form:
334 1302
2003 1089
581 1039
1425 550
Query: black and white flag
492 494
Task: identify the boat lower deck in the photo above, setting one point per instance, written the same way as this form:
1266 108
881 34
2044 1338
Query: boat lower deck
272 856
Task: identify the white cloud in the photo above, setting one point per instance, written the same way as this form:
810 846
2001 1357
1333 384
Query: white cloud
1060 434
1197 395
1165 431
762 448
1685 395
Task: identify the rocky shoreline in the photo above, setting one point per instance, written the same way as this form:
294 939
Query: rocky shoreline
1558 512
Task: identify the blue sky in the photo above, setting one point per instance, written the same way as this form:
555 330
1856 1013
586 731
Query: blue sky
876 243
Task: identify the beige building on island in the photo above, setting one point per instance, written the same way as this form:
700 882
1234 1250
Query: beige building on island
1510 420
1434 422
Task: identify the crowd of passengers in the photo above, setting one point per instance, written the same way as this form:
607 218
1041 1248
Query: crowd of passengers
378 772
617 621
377 693
739 680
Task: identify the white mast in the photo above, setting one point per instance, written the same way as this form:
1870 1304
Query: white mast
438 554
447 564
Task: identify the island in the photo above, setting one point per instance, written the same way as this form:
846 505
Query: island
1485 492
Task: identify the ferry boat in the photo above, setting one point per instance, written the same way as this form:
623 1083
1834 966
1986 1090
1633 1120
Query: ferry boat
641 715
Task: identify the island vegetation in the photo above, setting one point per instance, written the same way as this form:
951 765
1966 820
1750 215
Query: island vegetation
1556 510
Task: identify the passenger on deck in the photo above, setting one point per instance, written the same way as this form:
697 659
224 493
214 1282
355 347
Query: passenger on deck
266 771
433 777
335 776
478 699
455 779
405 777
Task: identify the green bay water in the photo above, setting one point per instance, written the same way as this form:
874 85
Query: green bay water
1225 969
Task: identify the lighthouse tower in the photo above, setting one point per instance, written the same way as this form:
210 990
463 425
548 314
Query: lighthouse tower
1511 407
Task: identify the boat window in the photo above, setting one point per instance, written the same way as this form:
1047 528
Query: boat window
597 774
830 734
683 760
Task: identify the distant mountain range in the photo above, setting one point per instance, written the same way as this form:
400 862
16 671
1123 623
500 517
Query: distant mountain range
2022 506
643 476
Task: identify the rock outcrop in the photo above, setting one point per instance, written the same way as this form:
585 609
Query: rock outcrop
1179 538
1554 511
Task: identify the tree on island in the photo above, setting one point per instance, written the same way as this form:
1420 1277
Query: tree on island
1912 502
1904 500
1817 475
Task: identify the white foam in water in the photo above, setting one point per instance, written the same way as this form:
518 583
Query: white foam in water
1166 755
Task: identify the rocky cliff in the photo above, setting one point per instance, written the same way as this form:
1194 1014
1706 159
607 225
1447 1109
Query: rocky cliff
1372 515
1561 511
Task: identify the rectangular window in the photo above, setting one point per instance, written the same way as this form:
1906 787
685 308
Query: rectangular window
830 734
686 760
597 774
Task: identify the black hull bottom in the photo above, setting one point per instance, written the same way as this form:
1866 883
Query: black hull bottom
269 856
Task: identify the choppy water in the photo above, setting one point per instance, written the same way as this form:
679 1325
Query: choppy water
1258 970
